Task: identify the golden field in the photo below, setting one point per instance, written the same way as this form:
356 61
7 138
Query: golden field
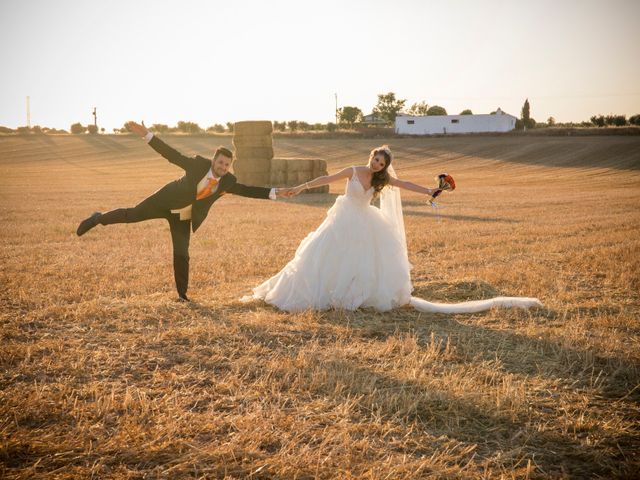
105 375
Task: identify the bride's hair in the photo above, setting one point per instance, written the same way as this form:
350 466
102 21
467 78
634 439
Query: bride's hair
380 179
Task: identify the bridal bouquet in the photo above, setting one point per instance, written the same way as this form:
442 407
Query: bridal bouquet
445 182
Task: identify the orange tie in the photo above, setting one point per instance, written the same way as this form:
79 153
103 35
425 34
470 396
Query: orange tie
206 191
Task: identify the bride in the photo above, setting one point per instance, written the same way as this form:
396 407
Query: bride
358 257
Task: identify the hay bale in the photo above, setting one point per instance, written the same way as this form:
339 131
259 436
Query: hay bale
255 179
320 168
255 166
250 153
278 179
252 141
300 165
291 172
279 165
258 127
322 189
300 176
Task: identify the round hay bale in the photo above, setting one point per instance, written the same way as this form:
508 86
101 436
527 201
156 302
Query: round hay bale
249 153
256 127
253 141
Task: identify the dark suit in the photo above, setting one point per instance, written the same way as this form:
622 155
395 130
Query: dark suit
179 194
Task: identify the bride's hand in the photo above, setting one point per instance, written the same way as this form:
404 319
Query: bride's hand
297 190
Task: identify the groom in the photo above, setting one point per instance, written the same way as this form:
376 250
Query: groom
185 202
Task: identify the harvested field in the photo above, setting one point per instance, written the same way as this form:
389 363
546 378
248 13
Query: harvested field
104 375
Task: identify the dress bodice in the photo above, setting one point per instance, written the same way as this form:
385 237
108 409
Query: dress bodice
355 190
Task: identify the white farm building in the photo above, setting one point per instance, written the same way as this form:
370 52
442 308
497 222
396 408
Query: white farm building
445 124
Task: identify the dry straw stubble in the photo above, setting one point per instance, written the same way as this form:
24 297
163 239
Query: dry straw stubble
105 375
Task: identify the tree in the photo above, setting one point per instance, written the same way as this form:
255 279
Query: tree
551 121
619 120
293 125
102 130
331 127
189 127
466 112
159 128
420 108
217 128
78 128
598 120
527 121
350 115
92 129
280 126
230 126
388 106
436 110
125 128
634 119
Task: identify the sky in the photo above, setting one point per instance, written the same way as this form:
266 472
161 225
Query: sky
213 62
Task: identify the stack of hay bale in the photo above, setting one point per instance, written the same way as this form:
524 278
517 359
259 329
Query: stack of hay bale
254 163
253 151
289 172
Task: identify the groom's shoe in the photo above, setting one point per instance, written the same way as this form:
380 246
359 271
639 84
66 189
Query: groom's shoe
88 223
182 297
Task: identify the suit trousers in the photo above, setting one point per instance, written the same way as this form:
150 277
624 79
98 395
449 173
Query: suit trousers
153 207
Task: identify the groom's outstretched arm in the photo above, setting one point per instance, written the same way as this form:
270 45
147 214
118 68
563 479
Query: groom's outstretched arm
252 192
159 146
259 192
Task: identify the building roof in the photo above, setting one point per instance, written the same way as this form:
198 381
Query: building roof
498 112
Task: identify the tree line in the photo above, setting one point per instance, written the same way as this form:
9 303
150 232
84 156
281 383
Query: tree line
384 113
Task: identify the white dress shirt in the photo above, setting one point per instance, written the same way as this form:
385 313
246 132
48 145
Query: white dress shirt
185 213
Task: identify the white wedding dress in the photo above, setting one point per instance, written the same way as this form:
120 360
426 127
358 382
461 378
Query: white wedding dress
357 258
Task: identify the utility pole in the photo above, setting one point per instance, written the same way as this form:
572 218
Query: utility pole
28 112
336 108
95 118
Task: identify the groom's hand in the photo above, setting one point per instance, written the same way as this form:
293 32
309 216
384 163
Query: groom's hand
137 128
283 192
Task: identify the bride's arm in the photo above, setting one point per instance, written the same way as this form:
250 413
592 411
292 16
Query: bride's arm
396 182
324 180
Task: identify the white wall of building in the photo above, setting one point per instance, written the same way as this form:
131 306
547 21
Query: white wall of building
446 124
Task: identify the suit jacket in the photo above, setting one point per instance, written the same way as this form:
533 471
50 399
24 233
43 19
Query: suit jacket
183 191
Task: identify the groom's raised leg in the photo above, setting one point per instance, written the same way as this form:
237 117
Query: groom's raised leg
119 215
180 236
146 210
150 207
